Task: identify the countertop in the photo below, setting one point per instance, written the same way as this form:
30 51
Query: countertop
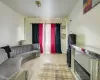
90 51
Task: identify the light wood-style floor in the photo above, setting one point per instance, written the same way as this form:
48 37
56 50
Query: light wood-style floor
33 66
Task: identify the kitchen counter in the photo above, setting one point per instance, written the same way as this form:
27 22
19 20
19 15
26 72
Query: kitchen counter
90 51
87 59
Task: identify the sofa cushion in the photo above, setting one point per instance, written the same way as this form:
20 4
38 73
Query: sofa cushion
11 66
3 77
3 56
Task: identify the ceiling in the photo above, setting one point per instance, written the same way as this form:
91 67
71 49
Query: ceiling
49 8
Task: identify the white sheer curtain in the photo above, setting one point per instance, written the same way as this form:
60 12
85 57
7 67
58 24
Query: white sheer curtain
47 38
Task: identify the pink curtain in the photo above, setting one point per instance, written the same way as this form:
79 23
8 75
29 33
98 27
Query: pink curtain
41 37
53 49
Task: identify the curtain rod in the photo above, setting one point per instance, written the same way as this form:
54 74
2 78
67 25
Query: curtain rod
46 23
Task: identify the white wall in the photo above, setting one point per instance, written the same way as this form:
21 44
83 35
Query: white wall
11 26
86 26
28 29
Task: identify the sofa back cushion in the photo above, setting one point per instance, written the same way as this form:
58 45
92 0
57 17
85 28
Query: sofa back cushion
20 49
36 46
3 56
14 51
27 48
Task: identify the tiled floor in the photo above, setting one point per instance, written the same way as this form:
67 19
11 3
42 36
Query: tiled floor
34 66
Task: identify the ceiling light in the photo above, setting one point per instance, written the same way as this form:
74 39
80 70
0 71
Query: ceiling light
38 3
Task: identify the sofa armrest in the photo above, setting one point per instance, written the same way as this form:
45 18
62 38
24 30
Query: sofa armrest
21 75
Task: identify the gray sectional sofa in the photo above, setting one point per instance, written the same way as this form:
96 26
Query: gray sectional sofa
10 68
